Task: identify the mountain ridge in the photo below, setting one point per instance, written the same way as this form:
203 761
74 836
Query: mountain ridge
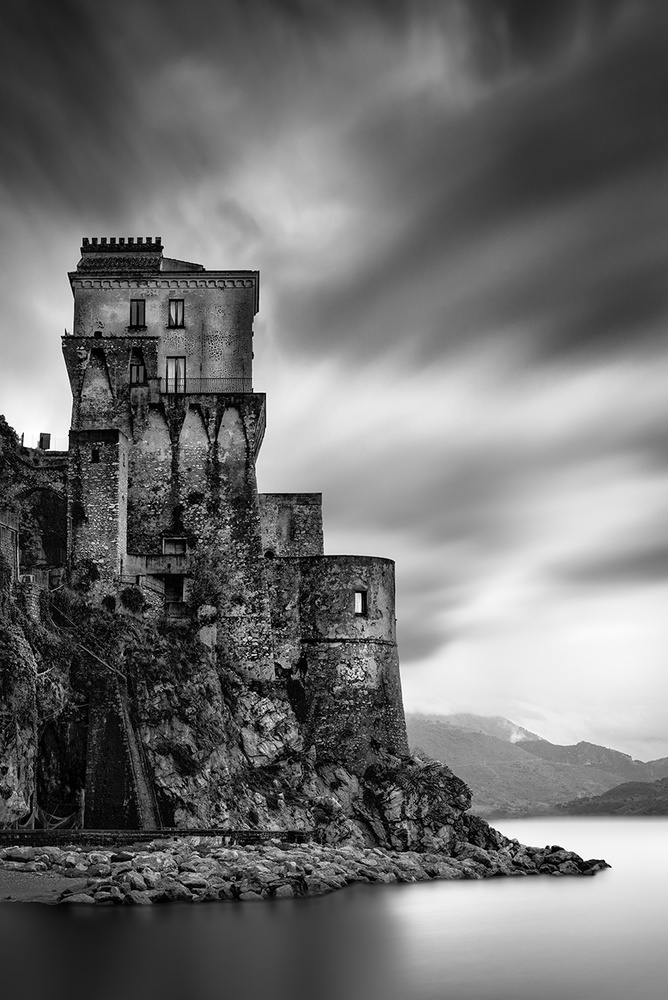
525 776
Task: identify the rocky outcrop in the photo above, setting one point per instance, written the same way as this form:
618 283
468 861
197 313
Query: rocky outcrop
116 714
218 751
190 870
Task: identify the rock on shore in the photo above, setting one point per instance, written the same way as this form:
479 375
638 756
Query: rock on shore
193 869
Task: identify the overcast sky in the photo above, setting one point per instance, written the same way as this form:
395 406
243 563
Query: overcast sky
459 211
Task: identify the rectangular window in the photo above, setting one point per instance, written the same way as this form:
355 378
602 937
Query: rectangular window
176 374
174 605
174 546
360 602
176 313
138 313
173 589
137 374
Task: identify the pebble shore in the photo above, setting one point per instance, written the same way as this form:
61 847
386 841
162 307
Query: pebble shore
192 870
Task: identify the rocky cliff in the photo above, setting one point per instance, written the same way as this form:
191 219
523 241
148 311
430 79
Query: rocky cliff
142 712
113 716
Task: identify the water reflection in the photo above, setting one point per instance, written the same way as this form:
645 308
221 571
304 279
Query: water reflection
545 939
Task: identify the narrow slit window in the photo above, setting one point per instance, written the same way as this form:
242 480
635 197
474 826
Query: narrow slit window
137 313
176 312
95 456
360 603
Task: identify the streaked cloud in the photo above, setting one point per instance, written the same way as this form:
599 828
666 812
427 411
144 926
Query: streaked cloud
459 210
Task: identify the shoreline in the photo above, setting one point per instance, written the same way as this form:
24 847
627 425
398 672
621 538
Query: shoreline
188 869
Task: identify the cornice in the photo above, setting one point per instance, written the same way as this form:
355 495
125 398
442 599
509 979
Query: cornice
228 282
169 280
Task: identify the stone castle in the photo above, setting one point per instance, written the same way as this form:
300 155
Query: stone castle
164 518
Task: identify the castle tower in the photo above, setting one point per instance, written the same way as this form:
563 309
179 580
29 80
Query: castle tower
162 495
164 435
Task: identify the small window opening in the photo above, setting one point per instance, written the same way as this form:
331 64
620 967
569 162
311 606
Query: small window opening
269 554
137 313
360 602
176 312
173 589
174 604
98 334
174 546
95 455
137 375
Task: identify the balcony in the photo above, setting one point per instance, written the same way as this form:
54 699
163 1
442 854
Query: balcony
181 386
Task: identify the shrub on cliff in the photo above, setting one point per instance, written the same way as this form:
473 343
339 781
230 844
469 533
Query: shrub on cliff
133 599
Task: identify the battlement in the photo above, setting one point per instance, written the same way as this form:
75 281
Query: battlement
133 244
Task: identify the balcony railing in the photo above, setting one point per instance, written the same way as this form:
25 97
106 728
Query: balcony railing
190 386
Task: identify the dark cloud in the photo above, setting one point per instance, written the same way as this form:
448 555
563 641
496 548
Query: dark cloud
642 566
563 172
88 124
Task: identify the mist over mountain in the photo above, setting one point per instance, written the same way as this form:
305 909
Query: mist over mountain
514 772
490 725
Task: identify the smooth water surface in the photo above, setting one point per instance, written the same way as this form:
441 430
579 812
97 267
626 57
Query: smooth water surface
601 938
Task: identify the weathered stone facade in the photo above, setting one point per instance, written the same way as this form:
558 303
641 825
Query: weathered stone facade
162 494
9 541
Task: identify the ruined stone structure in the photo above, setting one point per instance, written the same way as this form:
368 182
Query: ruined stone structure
162 496
9 541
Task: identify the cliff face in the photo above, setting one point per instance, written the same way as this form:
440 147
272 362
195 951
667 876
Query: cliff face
127 719
156 730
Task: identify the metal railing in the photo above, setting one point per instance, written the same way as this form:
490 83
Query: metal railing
189 386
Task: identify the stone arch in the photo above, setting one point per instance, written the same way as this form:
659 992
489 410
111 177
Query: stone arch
21 492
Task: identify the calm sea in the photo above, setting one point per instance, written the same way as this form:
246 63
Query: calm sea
601 938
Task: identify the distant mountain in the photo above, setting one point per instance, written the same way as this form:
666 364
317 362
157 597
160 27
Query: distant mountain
590 754
513 774
632 798
490 725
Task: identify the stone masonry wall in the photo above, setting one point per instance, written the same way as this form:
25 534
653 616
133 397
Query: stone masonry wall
346 663
99 373
216 337
9 541
284 583
244 631
291 524
352 681
98 494
150 499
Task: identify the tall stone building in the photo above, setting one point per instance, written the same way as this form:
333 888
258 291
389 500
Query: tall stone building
162 494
